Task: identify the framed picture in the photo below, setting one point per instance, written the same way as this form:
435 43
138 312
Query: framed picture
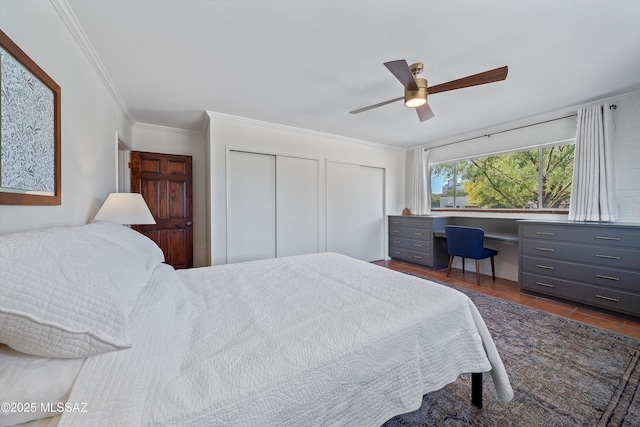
30 146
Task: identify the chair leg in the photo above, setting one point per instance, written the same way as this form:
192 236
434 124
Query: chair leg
463 264
493 269
450 263
478 272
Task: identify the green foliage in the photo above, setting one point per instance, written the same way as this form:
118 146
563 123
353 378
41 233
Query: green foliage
435 200
512 180
557 174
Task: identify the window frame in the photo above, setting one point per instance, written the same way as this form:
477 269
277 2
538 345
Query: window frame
538 210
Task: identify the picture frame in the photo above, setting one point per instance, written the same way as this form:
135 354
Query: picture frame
30 130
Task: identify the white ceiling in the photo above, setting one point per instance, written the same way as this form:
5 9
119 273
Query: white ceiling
307 63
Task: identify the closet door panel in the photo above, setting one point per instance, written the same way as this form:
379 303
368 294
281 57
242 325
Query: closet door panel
343 209
251 216
371 221
296 206
355 211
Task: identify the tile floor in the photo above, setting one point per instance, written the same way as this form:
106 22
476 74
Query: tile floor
509 290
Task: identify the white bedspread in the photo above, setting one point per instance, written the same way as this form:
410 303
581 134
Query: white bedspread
310 340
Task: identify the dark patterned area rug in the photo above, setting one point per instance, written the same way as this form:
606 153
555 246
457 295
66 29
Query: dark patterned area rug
563 373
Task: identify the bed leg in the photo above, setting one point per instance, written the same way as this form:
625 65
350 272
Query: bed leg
476 389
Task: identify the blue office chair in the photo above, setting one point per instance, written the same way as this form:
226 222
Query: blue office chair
468 242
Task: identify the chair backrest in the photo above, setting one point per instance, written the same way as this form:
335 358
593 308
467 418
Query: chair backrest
467 242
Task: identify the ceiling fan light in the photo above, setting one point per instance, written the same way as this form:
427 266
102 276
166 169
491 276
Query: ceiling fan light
416 98
414 102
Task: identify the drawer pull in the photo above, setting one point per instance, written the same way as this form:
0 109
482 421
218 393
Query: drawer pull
395 222
607 256
396 241
417 234
546 249
545 233
417 245
607 238
544 266
600 276
395 231
607 298
544 284
417 223
396 252
417 256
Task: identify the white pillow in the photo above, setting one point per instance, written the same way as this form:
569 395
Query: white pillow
34 380
66 293
131 240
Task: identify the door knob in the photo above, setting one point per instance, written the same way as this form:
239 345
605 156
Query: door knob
188 222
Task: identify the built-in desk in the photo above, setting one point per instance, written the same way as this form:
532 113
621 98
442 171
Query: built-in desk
421 239
411 239
509 239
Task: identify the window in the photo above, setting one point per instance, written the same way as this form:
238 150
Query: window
538 178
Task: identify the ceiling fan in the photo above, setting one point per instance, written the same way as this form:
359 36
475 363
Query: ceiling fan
416 90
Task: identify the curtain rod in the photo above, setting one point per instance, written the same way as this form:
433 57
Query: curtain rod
611 107
502 131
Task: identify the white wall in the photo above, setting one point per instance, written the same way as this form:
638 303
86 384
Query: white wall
90 118
160 139
228 132
626 136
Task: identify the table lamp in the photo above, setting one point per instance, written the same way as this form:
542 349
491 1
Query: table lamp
126 209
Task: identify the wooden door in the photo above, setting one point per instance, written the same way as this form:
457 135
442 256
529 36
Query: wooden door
164 180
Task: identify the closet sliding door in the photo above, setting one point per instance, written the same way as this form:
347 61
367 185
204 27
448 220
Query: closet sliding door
272 206
251 206
372 218
296 206
355 211
343 209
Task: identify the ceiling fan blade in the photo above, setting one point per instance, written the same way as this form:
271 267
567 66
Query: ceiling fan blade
371 107
424 112
474 80
401 70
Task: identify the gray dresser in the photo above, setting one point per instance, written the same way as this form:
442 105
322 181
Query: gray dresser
411 239
590 263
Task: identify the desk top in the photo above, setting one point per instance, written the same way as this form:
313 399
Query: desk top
503 237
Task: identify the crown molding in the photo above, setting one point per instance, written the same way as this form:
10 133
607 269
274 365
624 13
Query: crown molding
182 131
213 114
69 18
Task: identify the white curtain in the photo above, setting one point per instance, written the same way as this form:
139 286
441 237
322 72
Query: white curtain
420 200
593 191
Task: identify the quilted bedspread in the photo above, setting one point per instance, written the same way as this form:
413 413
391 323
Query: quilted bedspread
318 339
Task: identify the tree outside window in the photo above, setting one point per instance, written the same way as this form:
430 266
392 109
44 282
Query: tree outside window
532 179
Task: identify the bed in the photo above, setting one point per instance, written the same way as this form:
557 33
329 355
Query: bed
318 339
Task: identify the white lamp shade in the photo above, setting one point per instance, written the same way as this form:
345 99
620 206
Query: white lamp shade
125 208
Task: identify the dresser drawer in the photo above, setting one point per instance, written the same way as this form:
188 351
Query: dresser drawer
410 233
610 256
415 245
612 299
410 255
602 235
410 221
596 275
